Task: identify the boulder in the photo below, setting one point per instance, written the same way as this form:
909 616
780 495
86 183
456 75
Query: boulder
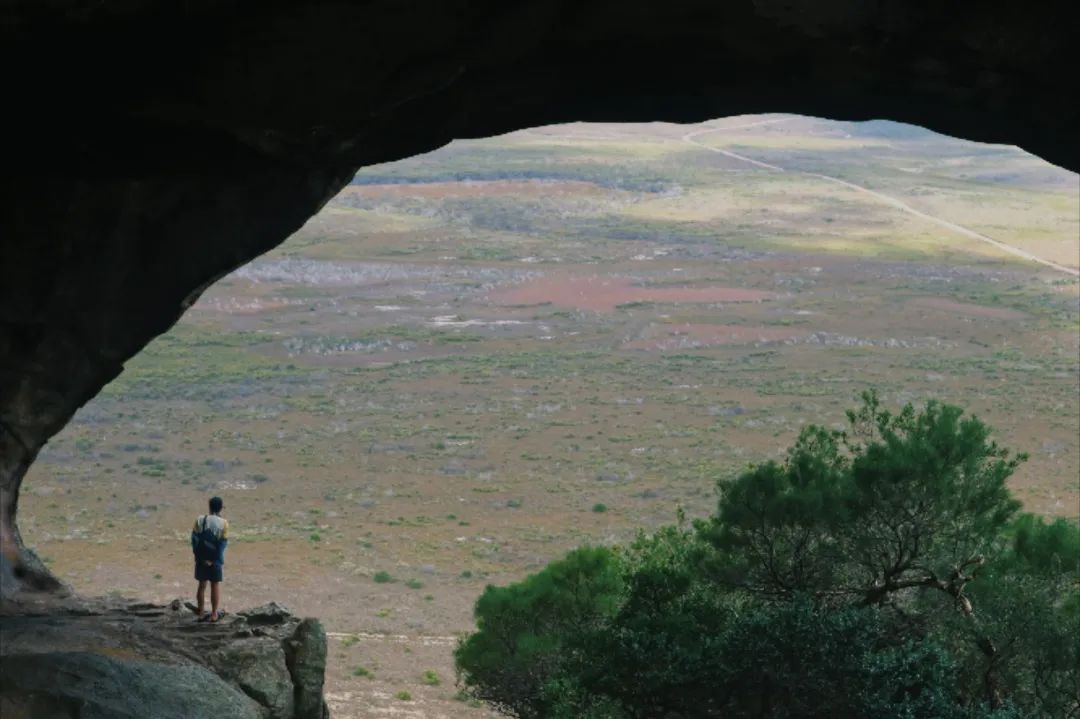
306 656
270 613
97 686
123 659
259 669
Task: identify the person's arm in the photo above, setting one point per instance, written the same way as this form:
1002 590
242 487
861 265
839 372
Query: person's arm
223 543
194 536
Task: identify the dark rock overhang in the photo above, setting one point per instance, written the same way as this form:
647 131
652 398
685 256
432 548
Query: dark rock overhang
153 146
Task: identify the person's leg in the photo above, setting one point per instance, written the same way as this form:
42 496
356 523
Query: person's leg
200 596
215 599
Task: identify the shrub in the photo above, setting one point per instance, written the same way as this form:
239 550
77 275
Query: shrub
878 572
525 629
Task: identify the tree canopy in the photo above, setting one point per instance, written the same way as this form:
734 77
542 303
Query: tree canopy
883 571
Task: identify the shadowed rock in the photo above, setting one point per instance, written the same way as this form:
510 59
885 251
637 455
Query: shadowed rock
306 657
97 686
142 166
117 660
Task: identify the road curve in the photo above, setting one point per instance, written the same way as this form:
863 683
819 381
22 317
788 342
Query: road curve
886 199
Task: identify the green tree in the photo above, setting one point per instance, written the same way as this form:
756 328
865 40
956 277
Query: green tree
527 632
878 572
657 654
911 501
1026 622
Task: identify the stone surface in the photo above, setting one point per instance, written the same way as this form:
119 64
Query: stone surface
258 667
97 686
306 656
116 659
270 613
154 146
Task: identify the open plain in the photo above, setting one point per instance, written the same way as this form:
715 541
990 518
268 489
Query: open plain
474 360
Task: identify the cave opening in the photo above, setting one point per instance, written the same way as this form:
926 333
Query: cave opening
154 149
183 165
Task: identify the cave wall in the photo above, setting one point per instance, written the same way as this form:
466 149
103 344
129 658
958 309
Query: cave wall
154 146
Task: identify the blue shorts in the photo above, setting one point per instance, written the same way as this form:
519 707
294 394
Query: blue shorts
208 572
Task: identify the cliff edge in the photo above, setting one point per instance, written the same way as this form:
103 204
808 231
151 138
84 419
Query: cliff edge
98 658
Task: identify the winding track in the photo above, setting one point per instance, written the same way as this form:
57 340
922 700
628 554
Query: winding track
886 199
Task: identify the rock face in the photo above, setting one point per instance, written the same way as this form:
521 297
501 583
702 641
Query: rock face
154 146
100 659
102 687
306 658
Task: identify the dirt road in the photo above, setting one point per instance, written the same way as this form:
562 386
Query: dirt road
886 199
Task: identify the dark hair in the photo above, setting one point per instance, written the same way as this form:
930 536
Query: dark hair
215 505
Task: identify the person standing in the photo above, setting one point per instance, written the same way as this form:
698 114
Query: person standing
209 537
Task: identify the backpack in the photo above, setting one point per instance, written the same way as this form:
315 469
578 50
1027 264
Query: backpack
207 544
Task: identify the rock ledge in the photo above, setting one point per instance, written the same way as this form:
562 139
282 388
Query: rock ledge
98 658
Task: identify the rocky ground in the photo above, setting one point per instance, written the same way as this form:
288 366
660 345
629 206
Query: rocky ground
64 657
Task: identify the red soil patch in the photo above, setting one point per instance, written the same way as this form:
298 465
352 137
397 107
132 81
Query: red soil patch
604 294
962 308
474 188
690 336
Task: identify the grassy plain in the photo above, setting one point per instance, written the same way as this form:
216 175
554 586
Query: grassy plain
473 360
